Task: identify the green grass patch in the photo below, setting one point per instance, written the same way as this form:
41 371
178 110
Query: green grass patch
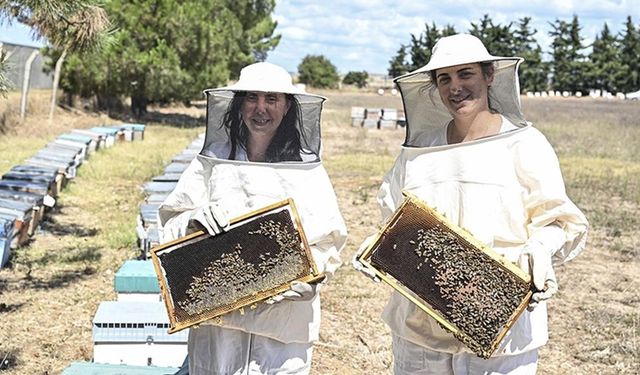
96 214
366 164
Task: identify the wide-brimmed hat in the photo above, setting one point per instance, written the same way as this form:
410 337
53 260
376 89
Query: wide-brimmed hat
457 50
424 109
264 77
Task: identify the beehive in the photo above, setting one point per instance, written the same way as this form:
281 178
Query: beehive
203 276
136 281
467 287
135 333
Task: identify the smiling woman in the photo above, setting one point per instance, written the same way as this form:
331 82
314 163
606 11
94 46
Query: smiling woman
470 153
262 146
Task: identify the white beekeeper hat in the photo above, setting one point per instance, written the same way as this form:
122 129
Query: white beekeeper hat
264 77
424 109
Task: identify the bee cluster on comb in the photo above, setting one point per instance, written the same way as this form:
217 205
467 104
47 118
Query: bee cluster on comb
467 287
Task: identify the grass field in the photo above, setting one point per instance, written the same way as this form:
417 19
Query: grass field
52 288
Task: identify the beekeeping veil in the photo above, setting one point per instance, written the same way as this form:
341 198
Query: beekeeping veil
264 77
423 107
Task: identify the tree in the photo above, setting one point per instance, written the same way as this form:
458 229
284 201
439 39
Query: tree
358 79
533 71
422 45
69 25
497 38
318 71
630 50
398 64
568 61
171 50
606 71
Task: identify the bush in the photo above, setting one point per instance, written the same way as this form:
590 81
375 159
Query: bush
318 71
358 79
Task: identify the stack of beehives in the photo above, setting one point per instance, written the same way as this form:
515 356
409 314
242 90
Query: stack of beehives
29 189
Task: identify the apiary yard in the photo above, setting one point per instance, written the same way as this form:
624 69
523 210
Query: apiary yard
52 287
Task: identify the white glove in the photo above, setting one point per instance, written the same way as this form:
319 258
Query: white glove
298 291
536 261
361 267
210 218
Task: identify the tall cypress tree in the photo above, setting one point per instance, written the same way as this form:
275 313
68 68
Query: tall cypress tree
630 50
606 70
497 38
568 60
533 71
422 45
398 64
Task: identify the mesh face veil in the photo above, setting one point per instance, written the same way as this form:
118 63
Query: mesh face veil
422 104
264 77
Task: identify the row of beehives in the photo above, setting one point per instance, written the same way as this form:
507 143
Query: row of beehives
377 118
31 188
131 333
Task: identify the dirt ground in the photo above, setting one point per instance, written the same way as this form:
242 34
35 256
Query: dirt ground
45 314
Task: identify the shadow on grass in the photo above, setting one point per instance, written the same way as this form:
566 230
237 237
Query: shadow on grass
9 307
175 119
51 225
66 256
60 279
8 359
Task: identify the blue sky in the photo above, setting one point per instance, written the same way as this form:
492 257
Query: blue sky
360 35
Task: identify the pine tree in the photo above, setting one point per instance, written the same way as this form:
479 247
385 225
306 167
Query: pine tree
630 50
606 71
398 64
568 61
69 25
172 50
497 39
533 71
422 45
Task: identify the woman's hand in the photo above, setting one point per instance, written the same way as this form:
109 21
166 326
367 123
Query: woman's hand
210 218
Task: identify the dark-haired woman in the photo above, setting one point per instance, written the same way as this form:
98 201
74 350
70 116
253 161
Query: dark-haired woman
262 146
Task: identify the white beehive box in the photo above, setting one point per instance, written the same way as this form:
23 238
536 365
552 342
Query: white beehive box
136 333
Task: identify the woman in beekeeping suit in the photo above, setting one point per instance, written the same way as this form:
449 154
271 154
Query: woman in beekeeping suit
470 154
262 145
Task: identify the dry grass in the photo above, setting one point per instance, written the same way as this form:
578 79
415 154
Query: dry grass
50 293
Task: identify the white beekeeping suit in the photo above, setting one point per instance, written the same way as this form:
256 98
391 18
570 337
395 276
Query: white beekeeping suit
239 186
506 189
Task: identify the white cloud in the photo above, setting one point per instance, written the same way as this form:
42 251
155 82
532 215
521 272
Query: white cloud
366 34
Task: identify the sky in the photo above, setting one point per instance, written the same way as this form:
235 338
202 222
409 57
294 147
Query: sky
363 35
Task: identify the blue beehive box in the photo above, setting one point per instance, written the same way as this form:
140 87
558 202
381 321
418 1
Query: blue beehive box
6 236
175 168
90 142
154 187
78 147
100 139
23 211
137 129
136 280
89 368
183 158
111 134
25 186
67 168
136 333
167 177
